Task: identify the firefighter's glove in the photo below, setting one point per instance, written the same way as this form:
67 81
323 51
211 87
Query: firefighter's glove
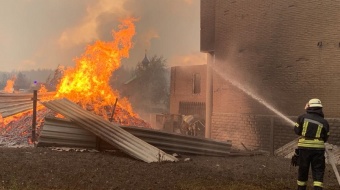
295 158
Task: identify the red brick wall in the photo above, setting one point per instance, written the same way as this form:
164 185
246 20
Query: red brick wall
271 48
266 132
181 85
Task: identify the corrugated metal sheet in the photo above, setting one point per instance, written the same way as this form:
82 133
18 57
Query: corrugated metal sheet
11 104
178 143
288 149
60 132
109 132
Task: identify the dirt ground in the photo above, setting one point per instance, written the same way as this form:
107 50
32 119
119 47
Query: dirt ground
44 168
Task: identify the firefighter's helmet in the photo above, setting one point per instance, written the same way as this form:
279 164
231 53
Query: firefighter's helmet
315 103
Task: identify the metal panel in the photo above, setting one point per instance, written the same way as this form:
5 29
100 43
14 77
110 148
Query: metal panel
192 108
11 104
178 143
55 131
109 132
288 149
59 132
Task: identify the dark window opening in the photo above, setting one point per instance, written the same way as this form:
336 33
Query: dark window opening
197 83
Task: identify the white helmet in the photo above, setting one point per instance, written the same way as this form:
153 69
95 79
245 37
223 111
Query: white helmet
314 103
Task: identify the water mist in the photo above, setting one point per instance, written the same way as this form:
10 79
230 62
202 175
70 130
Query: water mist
251 94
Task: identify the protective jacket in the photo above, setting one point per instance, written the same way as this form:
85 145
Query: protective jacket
313 129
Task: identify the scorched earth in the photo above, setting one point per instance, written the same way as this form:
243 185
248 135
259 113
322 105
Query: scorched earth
45 168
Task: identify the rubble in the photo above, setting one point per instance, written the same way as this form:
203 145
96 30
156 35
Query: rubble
16 131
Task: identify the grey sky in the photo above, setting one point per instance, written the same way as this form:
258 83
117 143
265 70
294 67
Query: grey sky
44 33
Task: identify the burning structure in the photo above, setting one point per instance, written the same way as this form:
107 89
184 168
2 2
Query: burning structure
264 58
87 84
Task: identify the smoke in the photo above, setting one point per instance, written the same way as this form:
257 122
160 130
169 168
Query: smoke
189 59
86 30
27 65
146 37
60 33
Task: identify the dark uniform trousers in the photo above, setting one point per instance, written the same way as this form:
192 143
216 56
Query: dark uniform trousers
315 159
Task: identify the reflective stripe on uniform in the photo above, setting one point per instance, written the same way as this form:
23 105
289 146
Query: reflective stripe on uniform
301 183
296 125
318 184
313 121
304 128
318 132
316 143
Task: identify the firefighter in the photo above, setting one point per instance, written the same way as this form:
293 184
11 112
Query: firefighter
313 130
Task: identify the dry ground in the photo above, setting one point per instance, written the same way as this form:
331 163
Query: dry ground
44 168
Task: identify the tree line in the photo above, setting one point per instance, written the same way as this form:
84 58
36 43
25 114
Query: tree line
146 86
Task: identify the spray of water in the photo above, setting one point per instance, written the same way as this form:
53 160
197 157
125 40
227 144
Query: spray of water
251 94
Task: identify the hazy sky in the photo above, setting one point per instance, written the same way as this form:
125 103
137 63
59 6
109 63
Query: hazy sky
44 33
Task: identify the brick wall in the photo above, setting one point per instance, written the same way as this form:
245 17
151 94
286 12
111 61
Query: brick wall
270 47
281 52
266 132
181 85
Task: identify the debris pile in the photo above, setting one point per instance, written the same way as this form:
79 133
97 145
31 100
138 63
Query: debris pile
17 130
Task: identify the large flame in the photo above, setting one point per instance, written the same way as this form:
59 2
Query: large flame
88 82
9 86
42 89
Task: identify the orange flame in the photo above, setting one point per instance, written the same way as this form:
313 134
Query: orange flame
88 82
9 85
42 89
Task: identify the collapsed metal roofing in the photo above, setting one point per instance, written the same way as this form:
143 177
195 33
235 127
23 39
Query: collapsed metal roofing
62 132
109 132
11 104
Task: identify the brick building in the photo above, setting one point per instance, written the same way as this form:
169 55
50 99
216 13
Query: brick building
281 52
187 90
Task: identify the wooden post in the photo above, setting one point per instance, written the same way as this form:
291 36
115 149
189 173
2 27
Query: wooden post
113 110
34 119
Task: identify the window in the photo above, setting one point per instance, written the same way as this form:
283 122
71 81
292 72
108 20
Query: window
196 87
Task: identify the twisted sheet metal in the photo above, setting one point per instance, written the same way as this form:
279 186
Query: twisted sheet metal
11 104
61 132
109 132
